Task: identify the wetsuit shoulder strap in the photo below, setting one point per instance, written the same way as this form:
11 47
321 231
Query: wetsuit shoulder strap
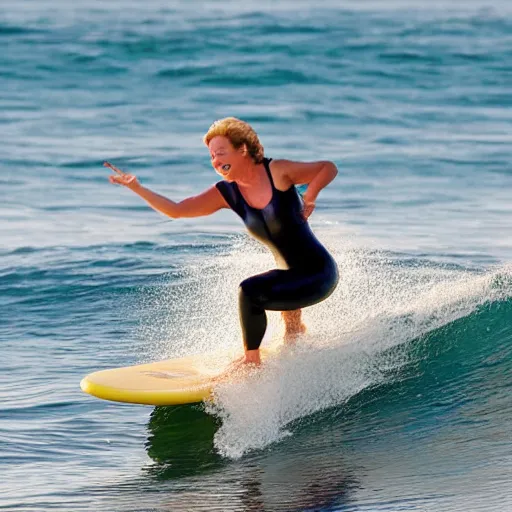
230 194
266 164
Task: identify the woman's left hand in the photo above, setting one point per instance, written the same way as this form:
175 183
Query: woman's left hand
309 206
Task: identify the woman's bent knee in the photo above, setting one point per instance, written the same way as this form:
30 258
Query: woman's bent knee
251 290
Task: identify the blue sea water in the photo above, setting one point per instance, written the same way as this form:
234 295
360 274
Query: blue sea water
399 395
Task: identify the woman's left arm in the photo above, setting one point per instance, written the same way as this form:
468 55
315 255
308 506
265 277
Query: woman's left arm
316 175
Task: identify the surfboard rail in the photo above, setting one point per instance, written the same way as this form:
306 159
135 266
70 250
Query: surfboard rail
178 381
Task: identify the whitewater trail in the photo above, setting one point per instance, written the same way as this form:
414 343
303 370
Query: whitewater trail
382 301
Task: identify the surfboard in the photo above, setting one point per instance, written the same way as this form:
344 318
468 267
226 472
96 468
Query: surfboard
171 382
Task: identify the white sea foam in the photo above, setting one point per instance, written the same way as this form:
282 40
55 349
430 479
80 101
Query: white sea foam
382 301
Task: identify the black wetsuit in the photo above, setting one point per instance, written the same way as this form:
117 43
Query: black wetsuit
307 273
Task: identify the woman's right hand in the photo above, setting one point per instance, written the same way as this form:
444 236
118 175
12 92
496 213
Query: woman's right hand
121 178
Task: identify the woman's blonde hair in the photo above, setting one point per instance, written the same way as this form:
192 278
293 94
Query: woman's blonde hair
239 133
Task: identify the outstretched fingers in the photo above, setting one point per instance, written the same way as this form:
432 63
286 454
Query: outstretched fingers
120 178
114 168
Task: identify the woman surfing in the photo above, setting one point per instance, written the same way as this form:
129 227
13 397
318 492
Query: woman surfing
262 192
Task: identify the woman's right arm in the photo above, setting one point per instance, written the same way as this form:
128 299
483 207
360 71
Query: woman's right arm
203 204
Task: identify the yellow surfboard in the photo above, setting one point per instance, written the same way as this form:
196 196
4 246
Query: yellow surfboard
170 382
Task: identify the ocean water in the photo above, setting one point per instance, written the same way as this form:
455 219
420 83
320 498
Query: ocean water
398 398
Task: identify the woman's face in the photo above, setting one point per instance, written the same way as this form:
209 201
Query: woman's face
226 160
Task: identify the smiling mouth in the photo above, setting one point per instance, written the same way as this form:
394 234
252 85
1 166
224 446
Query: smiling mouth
226 167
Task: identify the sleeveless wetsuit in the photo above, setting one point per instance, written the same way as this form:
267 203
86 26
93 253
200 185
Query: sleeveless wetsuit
307 273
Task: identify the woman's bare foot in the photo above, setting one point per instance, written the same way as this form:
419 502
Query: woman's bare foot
290 337
251 359
294 326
